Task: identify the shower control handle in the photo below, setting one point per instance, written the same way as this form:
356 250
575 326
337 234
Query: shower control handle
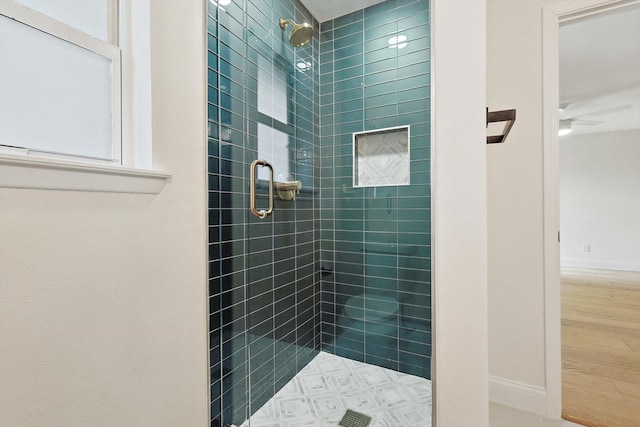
254 176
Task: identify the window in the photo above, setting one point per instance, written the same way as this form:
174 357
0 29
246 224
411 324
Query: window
274 130
60 78
75 95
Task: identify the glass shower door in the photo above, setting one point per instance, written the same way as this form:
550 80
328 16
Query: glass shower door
264 244
271 226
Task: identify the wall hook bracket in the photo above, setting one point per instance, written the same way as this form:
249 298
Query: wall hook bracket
508 116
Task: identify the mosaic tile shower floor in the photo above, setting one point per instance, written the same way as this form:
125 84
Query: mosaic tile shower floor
322 392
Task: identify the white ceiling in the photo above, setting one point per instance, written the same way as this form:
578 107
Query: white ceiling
600 71
325 10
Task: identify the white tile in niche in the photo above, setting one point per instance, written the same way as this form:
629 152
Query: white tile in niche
381 157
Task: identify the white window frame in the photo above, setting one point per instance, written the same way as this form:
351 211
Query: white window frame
129 170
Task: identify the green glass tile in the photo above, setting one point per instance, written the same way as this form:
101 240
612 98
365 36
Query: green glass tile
349 19
212 43
348 128
414 33
379 361
389 64
412 9
421 92
377 17
381 260
230 71
347 36
349 62
401 3
326 26
414 117
420 68
345 74
326 72
326 39
233 10
212 96
346 117
326 92
416 45
380 89
379 43
348 95
420 165
414 20
212 12
383 286
261 6
385 30
347 51
326 110
347 106
382 346
414 190
384 111
381 100
419 106
407 57
212 61
421 130
229 39
413 82
384 122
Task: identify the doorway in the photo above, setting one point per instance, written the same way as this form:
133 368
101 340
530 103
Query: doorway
592 122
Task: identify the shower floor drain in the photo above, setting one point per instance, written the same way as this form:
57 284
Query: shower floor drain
354 419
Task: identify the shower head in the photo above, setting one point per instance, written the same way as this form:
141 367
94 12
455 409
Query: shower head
301 33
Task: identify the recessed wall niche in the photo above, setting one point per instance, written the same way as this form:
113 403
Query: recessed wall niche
381 157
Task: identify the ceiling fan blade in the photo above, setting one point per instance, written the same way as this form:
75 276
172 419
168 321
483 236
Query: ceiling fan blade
586 122
605 111
563 105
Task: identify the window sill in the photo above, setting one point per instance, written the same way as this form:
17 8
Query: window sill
53 174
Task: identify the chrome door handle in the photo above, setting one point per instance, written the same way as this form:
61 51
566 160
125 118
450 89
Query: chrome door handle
254 176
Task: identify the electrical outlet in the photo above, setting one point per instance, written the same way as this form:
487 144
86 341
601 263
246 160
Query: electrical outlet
586 248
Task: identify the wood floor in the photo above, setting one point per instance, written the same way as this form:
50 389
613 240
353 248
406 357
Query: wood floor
601 348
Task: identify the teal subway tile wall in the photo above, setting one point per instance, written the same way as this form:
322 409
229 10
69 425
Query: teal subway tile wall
340 269
376 242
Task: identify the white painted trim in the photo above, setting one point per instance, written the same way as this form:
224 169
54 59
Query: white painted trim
49 174
598 264
551 219
135 42
517 395
625 276
573 9
113 24
42 22
552 16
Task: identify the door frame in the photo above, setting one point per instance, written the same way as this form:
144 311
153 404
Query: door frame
552 16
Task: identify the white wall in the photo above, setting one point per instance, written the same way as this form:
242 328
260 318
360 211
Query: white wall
103 299
459 213
515 207
600 200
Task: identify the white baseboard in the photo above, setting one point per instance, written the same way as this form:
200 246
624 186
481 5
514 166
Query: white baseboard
524 397
598 265
566 423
